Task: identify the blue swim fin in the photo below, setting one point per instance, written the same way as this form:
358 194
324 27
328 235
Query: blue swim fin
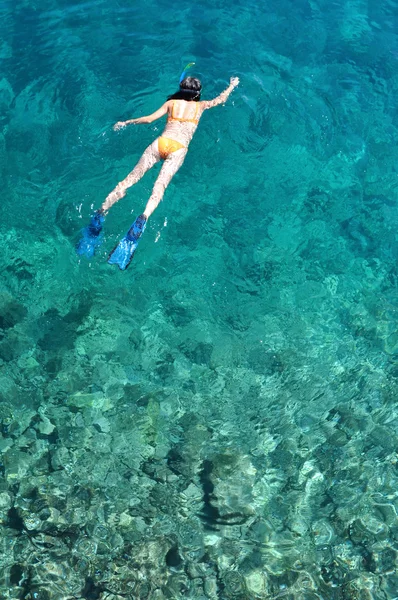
123 253
91 238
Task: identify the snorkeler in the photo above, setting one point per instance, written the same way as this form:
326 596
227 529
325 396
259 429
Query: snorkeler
184 110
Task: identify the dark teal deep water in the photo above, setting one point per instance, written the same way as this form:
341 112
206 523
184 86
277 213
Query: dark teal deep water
219 421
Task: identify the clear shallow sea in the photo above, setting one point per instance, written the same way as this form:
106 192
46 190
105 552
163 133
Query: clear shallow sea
219 421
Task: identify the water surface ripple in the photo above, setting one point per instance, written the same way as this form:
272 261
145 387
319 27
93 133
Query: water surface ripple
220 420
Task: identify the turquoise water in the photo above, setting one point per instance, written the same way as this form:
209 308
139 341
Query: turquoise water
220 420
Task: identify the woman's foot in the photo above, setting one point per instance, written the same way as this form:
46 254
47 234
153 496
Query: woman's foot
123 253
91 239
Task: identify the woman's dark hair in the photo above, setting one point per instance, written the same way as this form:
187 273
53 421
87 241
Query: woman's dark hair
190 90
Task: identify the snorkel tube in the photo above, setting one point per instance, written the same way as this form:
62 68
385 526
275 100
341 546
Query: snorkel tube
183 74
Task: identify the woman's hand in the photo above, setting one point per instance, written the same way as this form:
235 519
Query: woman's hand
234 81
119 125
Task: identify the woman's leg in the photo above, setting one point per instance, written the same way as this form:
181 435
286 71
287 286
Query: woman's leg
146 162
124 251
170 167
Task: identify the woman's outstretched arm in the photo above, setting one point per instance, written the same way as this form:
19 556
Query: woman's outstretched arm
222 98
149 119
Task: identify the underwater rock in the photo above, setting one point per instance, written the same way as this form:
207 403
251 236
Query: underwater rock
385 561
12 312
323 533
29 365
199 353
355 230
56 332
5 505
354 25
265 362
13 345
234 586
227 483
178 585
95 400
8 392
367 531
14 420
67 219
59 458
257 584
191 540
6 94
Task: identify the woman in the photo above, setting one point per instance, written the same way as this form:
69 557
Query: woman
184 110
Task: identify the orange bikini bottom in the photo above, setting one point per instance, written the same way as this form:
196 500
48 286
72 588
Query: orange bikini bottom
167 146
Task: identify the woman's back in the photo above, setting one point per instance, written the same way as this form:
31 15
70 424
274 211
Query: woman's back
182 120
